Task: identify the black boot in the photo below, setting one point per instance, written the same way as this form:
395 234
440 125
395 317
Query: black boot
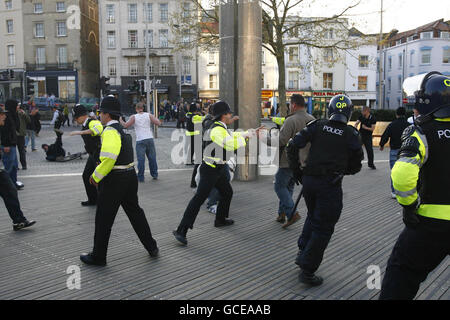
223 223
92 260
22 225
154 253
310 278
180 234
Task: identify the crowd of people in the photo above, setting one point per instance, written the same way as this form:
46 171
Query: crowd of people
316 153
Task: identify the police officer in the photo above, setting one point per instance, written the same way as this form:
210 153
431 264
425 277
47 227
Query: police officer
422 186
91 131
335 151
117 184
212 170
193 121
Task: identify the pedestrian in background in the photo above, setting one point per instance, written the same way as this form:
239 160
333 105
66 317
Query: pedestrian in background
145 145
24 120
393 134
368 123
66 115
31 129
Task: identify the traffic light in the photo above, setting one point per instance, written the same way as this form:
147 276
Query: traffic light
30 86
104 85
11 73
142 87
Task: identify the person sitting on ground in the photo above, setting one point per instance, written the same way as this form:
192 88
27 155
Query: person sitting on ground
55 151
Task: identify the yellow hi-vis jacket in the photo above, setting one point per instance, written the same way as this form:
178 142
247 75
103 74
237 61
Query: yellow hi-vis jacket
96 127
111 145
278 120
196 119
221 137
405 176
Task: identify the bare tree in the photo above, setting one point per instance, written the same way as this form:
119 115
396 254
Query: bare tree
284 27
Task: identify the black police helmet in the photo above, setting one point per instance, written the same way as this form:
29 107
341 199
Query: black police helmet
110 105
79 110
340 108
193 107
434 95
220 108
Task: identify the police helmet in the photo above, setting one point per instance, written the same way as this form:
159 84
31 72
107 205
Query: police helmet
79 110
340 108
220 108
430 93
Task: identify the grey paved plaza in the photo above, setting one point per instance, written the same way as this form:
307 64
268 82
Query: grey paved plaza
253 259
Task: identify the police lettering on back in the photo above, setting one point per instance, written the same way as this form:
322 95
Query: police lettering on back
332 130
444 134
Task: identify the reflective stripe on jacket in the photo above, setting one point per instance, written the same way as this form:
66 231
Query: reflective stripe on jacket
110 150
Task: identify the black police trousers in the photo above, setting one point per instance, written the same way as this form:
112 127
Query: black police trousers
119 188
368 145
89 168
323 197
8 192
209 178
417 252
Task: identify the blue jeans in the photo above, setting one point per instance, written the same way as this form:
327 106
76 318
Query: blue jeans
30 135
214 195
10 163
146 148
284 188
392 159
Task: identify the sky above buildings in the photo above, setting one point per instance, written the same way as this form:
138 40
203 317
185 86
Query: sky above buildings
398 14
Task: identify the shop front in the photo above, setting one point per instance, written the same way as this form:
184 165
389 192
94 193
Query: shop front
12 88
62 84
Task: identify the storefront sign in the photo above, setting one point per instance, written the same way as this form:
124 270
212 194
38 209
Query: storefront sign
266 94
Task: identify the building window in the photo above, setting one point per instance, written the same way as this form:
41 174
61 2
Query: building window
328 55
38 8
446 55
132 39
362 83
398 42
112 67
400 60
262 80
164 38
66 86
186 65
263 57
213 81
445 34
293 80
9 26
411 58
40 56
387 103
132 13
328 81
363 61
399 83
329 34
426 35
60 7
211 58
390 63
111 37
164 12
148 12
148 38
61 30
186 9
164 65
39 30
293 54
62 55
426 56
410 38
389 84
11 56
186 37
133 65
110 14
8 5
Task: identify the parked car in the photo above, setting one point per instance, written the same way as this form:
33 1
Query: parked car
89 103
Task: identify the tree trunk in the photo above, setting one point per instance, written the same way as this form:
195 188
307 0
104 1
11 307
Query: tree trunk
282 86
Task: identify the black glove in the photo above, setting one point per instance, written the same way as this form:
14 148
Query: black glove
410 217
298 175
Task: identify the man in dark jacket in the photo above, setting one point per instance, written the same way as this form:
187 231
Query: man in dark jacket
393 133
24 120
9 141
55 151
8 192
